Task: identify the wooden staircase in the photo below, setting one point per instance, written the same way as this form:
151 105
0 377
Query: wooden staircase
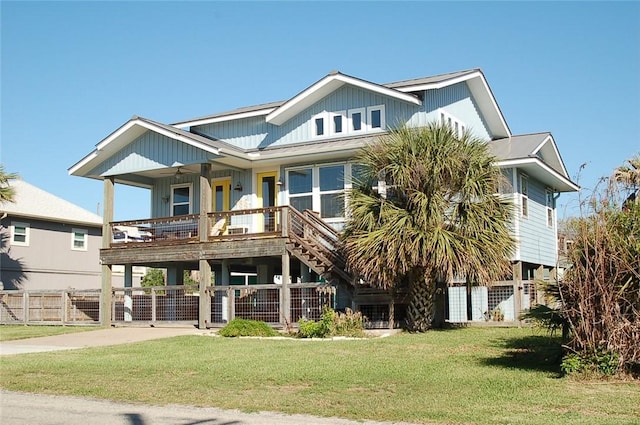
316 244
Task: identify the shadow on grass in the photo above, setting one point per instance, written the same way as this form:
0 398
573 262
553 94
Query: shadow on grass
534 352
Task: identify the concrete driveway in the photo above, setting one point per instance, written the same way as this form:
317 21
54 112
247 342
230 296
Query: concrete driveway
94 338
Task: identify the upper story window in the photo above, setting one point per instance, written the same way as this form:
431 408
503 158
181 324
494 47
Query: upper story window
550 207
181 199
375 115
454 123
20 233
79 239
354 120
300 184
524 191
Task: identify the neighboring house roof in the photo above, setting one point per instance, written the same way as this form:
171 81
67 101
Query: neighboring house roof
536 154
32 202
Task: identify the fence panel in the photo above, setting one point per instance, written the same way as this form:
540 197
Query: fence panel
308 301
50 307
12 307
155 304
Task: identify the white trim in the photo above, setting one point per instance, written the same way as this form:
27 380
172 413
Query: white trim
229 117
524 197
345 124
538 162
516 219
548 139
27 233
85 241
171 201
446 118
325 86
383 121
440 84
363 120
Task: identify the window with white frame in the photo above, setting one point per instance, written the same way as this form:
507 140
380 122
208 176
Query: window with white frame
20 233
524 195
454 123
550 206
376 118
338 122
318 188
300 186
79 239
356 120
181 199
319 125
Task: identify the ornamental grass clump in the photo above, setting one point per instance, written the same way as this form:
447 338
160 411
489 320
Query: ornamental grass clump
333 323
244 327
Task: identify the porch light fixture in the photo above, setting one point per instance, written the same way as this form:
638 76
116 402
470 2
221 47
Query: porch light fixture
238 187
280 182
165 199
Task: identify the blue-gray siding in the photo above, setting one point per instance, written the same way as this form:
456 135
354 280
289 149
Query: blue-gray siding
151 151
537 240
255 132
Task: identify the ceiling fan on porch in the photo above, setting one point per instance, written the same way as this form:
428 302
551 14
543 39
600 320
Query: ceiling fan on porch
177 174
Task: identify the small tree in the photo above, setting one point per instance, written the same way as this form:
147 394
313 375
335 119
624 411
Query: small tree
153 277
600 292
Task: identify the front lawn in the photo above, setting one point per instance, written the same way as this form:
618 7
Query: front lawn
13 332
461 376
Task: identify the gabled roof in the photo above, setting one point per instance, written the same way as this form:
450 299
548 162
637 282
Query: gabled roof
479 88
325 86
32 202
131 130
245 112
536 154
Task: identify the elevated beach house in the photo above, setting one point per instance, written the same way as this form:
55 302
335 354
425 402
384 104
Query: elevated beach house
253 200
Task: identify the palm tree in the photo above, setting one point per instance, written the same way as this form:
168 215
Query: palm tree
629 178
7 192
434 215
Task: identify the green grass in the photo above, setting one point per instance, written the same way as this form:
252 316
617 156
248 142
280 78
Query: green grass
13 332
462 376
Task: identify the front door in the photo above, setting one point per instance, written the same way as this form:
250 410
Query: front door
221 195
267 198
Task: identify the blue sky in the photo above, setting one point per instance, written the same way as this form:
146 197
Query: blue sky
73 72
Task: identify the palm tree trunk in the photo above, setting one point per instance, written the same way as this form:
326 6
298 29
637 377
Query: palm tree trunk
421 303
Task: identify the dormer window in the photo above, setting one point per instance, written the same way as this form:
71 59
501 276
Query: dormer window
318 123
356 118
338 120
375 116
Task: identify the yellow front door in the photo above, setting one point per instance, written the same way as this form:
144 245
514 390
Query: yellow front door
267 197
221 195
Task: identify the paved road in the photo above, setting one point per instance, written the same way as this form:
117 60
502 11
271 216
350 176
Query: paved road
36 409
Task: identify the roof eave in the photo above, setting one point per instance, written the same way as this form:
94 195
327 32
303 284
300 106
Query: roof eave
552 178
325 86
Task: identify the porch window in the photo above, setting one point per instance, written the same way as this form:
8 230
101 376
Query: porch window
181 199
331 191
300 184
79 239
20 234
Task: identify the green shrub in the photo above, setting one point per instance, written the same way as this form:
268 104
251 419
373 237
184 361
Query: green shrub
333 323
602 362
244 327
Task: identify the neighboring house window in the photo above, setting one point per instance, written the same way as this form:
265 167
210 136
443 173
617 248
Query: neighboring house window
375 115
356 120
456 125
79 239
181 199
524 190
20 233
549 199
